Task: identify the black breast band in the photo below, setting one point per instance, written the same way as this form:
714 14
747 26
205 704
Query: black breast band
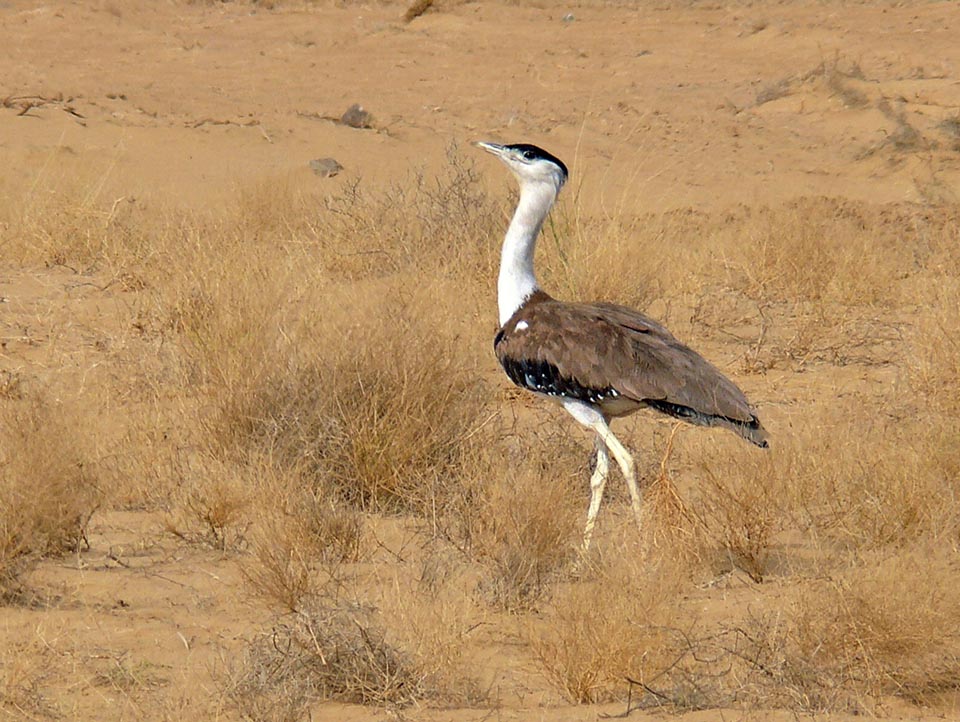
545 378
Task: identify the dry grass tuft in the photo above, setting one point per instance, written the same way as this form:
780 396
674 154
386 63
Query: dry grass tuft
520 515
382 422
284 571
847 485
599 632
612 260
445 224
812 250
325 651
47 487
432 618
740 514
299 539
83 231
671 529
24 668
934 365
373 641
884 627
806 281
210 504
380 412
817 279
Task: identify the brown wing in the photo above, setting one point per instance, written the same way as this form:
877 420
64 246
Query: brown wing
615 354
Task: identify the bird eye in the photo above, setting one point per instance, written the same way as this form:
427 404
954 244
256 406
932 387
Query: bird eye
528 155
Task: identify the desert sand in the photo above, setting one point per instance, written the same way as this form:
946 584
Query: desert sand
703 109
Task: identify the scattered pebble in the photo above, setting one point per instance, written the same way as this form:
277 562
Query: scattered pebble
568 18
325 167
357 117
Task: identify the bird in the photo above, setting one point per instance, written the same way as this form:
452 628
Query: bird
599 361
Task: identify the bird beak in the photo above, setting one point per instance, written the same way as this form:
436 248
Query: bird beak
497 150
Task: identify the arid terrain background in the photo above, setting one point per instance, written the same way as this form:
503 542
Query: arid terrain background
257 460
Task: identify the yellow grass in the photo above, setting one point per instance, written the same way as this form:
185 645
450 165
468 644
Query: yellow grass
609 627
48 487
326 369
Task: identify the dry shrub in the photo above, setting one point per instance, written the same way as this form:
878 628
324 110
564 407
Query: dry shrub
815 279
47 488
210 503
913 492
520 515
24 669
326 651
597 633
285 569
848 484
334 530
368 387
818 249
866 496
638 260
612 260
444 224
300 538
822 250
274 210
934 364
343 636
795 282
886 627
77 227
741 515
432 620
671 529
393 643
381 418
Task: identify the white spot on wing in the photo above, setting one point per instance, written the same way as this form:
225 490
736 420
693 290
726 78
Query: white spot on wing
521 326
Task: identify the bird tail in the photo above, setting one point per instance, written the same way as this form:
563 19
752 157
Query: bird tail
750 430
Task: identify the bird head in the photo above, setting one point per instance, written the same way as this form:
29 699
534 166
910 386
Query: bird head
531 165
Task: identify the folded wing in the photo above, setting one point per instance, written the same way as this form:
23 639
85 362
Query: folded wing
619 359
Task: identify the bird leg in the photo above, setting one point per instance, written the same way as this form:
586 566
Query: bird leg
591 417
627 467
597 483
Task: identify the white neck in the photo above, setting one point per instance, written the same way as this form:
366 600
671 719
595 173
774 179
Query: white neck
517 281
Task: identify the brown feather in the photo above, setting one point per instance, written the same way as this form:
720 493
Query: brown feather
620 360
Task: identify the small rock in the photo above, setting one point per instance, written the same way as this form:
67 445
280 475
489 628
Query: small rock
568 18
357 117
325 167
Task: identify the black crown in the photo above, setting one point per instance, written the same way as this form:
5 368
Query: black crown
539 154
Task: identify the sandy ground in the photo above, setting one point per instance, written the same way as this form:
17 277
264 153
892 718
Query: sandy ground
670 105
652 108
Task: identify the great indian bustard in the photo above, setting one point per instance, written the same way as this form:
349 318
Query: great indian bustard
600 361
